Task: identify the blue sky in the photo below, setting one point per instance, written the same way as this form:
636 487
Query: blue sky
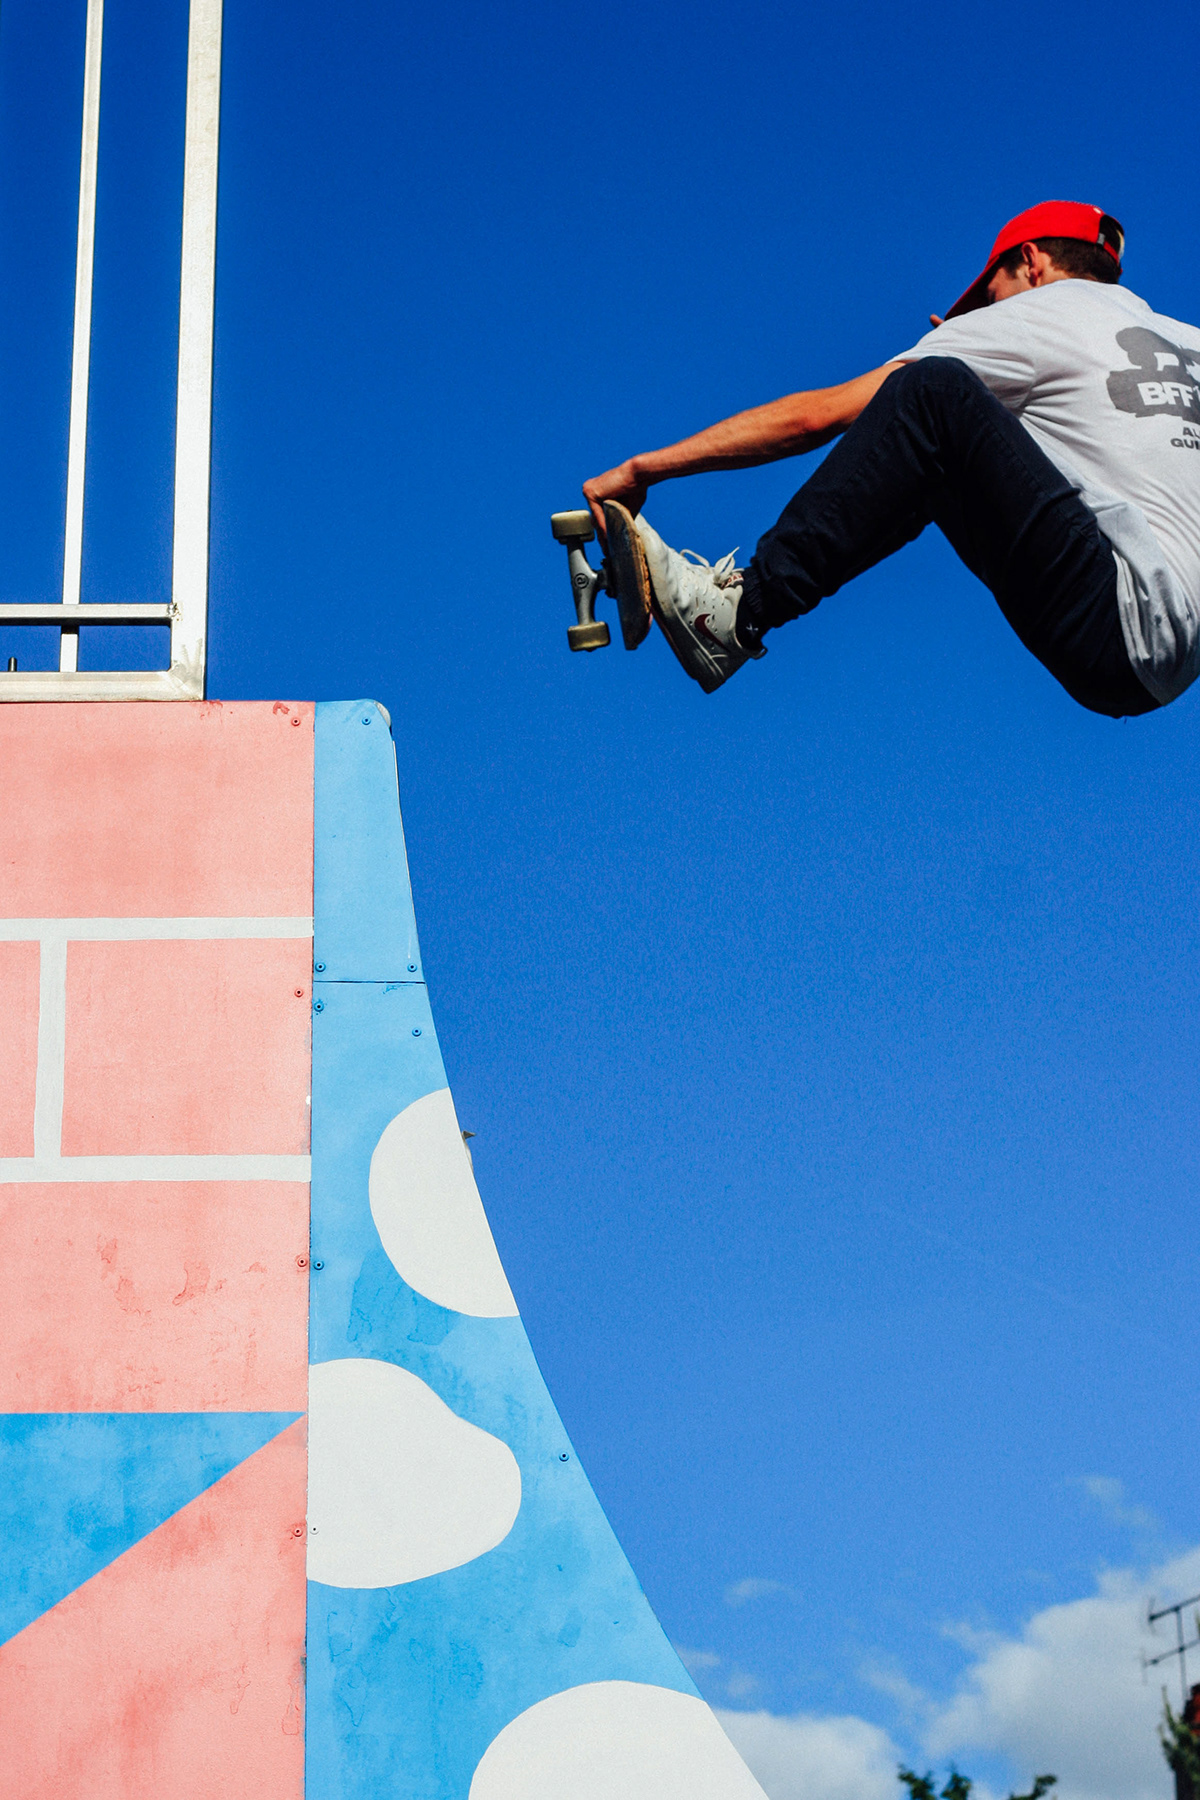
831 1042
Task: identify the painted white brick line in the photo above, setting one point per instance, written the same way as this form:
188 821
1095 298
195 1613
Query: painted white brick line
94 931
156 1168
52 1050
47 1162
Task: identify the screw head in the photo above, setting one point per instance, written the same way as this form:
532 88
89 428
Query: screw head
319 967
295 721
299 993
412 968
317 1263
416 1031
302 1262
563 1457
366 718
318 1006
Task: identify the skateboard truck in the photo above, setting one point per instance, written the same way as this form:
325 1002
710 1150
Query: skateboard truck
623 574
575 529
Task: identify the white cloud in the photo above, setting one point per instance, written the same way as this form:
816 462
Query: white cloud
737 1684
1066 1695
887 1679
741 1686
1109 1495
754 1587
808 1758
694 1660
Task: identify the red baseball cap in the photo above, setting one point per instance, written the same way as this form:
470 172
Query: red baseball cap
1052 219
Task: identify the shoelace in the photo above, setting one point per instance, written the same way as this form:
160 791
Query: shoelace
723 572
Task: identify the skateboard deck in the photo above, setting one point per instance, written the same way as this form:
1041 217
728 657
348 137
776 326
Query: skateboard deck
628 572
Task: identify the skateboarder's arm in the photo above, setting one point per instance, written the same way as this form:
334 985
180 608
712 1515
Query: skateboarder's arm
782 428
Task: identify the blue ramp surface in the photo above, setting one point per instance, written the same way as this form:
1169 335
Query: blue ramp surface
450 1594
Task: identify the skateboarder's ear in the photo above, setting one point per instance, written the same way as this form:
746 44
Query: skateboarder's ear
1066 256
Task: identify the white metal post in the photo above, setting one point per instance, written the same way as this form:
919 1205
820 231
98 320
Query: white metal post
82 342
197 284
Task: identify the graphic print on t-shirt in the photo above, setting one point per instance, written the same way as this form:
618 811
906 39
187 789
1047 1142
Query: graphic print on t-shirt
1165 378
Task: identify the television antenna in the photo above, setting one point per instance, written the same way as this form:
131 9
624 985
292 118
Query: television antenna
1180 1648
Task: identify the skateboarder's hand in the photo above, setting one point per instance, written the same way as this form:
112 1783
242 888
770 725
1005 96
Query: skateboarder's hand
620 484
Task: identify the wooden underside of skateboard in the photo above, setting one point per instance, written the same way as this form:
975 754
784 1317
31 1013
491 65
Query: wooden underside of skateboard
623 574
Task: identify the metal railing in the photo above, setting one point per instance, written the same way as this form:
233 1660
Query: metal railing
186 612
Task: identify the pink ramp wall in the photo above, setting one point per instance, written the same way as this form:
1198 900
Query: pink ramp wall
155 1296
187 1048
155 1013
19 969
201 808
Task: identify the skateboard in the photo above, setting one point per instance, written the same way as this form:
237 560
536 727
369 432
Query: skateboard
623 574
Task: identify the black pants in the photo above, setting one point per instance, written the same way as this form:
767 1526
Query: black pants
935 445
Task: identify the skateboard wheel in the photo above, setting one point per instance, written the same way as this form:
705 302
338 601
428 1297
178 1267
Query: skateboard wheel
588 637
578 525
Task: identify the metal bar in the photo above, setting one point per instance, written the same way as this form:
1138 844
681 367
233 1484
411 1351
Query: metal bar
82 344
136 612
193 414
1175 1649
1177 1608
1182 1657
26 685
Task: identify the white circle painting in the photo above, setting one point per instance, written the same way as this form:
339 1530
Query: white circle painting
399 1487
429 1215
614 1740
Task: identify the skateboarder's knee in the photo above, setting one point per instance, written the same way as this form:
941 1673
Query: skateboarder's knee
940 376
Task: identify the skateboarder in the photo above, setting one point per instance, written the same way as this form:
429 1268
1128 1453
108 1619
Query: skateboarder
1050 425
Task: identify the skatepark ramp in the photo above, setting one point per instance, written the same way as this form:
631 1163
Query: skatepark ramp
207 920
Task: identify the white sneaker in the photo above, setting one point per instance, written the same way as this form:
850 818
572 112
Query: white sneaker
696 605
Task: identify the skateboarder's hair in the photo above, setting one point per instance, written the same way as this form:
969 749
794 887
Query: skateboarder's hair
1072 255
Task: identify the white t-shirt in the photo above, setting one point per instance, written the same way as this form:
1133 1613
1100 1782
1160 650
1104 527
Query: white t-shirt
1111 393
